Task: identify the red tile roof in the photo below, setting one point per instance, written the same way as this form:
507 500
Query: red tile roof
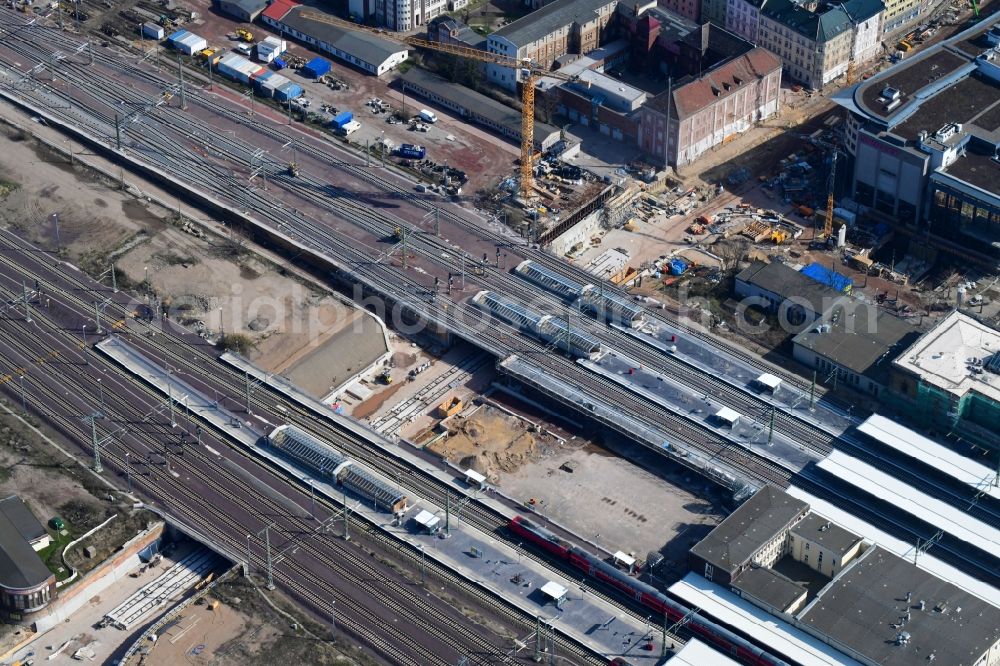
738 73
277 9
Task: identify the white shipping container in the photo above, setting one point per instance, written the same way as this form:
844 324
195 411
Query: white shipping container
191 44
272 83
152 31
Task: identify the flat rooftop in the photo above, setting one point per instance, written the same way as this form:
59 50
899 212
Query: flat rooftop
860 337
754 523
977 167
941 356
964 581
831 536
862 608
770 630
959 103
769 586
922 71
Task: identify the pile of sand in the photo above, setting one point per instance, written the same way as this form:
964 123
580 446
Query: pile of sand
489 442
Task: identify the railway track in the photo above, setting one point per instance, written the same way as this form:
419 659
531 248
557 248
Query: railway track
198 509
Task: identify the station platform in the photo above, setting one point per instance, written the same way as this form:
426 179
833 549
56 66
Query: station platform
740 375
493 566
748 430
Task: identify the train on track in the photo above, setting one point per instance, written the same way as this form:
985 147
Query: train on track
331 465
714 634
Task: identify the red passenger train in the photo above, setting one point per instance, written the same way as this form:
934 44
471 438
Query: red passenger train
714 634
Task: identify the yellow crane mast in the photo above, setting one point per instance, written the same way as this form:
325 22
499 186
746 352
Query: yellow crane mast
529 71
828 218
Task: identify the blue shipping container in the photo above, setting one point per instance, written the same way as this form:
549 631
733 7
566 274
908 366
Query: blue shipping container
412 152
677 266
342 119
279 63
316 68
262 78
288 92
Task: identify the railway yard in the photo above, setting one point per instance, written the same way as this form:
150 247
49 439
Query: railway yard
336 415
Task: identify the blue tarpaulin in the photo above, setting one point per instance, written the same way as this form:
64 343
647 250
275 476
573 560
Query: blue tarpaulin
829 277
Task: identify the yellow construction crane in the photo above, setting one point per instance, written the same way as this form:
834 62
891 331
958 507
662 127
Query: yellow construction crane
828 218
528 69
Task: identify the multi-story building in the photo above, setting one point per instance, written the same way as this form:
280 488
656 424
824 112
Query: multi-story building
818 43
564 26
689 9
949 379
743 18
832 595
901 14
699 113
924 136
402 15
713 11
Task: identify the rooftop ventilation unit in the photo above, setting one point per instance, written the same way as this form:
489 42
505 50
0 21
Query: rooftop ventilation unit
891 93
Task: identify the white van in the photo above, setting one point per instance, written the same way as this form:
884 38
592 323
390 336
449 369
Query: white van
427 116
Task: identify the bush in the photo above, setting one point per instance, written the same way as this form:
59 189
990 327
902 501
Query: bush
237 342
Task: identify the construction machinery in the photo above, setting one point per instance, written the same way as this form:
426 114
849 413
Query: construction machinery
828 216
244 35
529 72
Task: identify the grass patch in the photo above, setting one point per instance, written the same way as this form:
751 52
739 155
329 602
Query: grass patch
7 187
52 554
174 259
237 342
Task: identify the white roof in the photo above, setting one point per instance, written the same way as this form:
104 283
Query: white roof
940 356
472 476
624 558
927 562
888 488
425 518
728 415
554 590
696 653
757 623
770 381
911 443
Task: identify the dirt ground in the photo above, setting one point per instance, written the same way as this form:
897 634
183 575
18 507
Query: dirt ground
491 442
197 635
211 281
448 141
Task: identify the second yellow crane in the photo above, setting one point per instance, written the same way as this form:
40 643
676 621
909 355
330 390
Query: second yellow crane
529 71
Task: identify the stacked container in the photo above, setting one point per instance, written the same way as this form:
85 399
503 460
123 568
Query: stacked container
238 68
288 92
269 85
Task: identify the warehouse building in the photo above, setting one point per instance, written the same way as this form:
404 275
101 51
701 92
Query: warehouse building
854 344
797 299
868 604
924 135
705 111
475 107
558 28
949 380
365 51
26 584
241 10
